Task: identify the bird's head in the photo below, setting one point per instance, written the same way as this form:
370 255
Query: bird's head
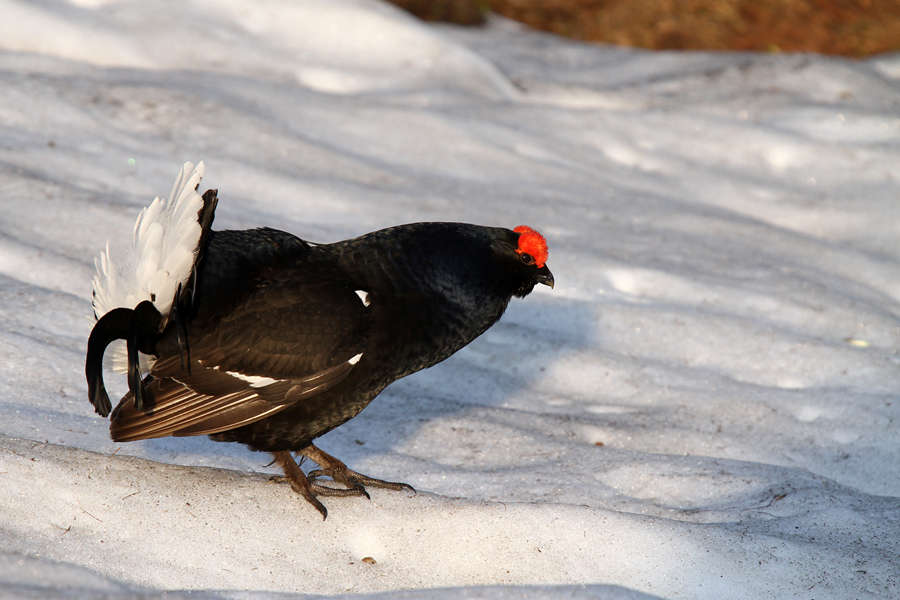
531 258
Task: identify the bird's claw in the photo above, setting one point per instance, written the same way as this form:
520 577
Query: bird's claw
353 488
355 480
307 485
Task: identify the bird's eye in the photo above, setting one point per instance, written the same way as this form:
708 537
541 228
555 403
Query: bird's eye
527 258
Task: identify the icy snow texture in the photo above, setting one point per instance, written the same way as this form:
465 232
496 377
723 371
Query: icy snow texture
705 406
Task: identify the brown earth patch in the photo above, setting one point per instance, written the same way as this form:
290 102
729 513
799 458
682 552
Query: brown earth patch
854 28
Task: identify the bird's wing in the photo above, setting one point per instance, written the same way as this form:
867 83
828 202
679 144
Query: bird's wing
287 342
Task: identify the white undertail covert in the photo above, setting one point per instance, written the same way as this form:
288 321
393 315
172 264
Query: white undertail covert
162 251
159 259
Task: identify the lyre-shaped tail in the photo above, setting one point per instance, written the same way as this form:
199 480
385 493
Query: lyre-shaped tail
153 283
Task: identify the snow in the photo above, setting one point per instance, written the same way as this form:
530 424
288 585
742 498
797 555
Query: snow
704 407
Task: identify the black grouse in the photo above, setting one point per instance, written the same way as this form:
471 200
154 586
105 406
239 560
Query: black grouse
261 338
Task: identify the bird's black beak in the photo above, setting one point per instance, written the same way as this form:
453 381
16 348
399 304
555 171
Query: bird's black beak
545 276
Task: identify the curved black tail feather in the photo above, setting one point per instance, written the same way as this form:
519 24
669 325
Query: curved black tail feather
112 326
139 327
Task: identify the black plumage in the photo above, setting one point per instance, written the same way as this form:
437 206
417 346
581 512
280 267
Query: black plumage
276 341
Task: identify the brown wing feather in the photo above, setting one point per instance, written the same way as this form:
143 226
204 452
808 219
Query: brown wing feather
178 410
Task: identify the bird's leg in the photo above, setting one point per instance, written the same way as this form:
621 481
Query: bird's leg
338 471
300 484
307 488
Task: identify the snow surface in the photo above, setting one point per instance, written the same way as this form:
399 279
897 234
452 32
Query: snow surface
705 407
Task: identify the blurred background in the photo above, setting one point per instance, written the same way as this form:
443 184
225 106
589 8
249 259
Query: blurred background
855 28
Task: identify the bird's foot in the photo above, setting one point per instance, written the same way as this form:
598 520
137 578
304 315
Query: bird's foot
308 487
356 482
299 483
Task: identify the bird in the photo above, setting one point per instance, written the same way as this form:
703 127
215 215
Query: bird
261 338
